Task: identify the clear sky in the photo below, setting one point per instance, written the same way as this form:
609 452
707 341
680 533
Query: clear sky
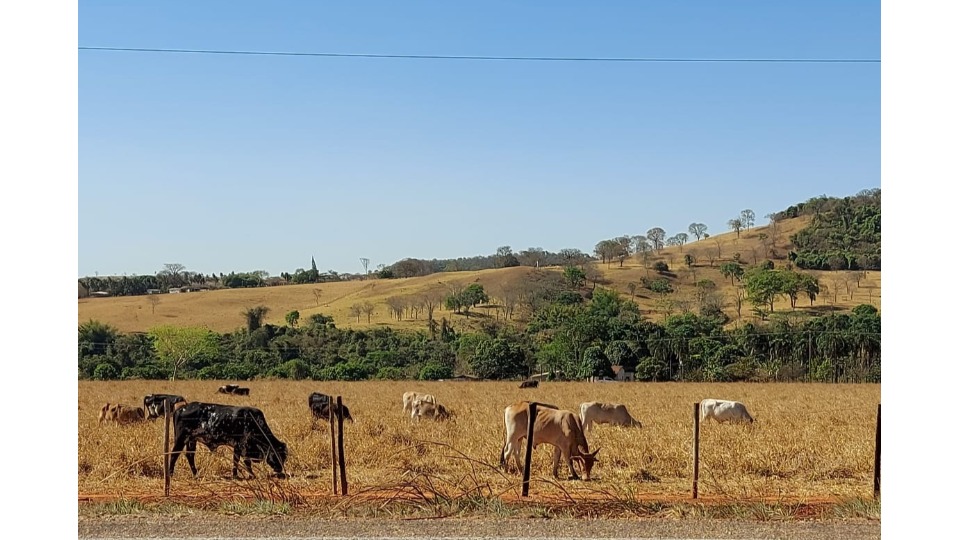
239 163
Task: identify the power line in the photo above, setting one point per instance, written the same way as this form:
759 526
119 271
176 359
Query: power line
501 58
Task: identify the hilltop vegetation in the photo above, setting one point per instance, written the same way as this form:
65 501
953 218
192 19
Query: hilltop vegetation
732 306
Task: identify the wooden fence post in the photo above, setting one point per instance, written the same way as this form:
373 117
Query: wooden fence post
696 447
166 448
531 418
333 443
343 461
876 459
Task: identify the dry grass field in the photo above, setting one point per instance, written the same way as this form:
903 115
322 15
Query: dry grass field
220 310
809 441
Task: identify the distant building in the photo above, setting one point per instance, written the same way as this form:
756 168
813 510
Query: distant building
153 291
622 374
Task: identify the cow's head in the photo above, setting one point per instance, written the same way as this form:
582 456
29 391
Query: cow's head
586 461
277 456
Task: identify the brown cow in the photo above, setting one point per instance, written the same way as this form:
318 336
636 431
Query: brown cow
121 414
530 384
553 426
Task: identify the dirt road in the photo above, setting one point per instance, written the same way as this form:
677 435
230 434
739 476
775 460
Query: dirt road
209 527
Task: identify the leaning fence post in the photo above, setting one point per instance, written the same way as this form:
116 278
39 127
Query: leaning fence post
876 459
166 448
343 461
531 418
333 444
696 447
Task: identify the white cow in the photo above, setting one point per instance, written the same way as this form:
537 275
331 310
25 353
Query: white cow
410 397
723 410
606 413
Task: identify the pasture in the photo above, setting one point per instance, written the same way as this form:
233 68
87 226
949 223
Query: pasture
808 441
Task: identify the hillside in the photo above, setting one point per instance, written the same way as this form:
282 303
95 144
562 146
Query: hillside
220 310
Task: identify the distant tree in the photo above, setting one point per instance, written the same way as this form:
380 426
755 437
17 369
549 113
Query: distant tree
681 239
505 257
178 346
661 286
153 299
746 217
313 265
622 251
254 317
497 358
810 285
293 318
355 310
316 296
574 276
731 270
474 295
367 309
736 224
697 229
632 287
661 267
656 236
396 305
688 260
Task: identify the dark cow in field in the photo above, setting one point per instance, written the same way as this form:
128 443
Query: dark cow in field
153 404
233 389
243 428
529 384
320 406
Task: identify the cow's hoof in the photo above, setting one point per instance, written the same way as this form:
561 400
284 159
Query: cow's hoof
280 476
573 478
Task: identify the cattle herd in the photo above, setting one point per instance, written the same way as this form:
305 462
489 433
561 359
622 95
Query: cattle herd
245 428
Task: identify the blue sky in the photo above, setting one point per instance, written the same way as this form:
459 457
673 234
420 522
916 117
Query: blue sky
239 163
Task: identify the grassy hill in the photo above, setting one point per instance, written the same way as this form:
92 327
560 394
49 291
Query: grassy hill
221 310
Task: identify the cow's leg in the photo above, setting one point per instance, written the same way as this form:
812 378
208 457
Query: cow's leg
236 460
191 454
556 461
247 464
573 472
178 445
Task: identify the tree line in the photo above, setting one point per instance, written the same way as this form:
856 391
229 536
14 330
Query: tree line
571 331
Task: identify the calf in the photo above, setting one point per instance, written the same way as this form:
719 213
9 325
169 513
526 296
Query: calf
605 413
320 406
430 410
529 384
553 426
723 410
121 414
243 428
153 404
410 397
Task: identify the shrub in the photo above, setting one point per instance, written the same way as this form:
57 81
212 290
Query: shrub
661 267
106 372
433 371
390 374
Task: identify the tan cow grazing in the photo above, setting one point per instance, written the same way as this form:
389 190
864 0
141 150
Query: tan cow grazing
605 413
121 414
410 397
429 410
723 410
556 427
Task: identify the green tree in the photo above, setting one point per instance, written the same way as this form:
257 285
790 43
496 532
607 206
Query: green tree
620 353
595 363
656 237
177 346
810 285
763 286
731 270
254 317
697 229
293 318
661 286
574 276
498 358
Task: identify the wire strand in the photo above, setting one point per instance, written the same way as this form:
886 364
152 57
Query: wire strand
494 58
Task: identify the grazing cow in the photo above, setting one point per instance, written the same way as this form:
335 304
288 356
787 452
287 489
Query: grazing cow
430 410
723 410
243 428
121 414
410 397
320 406
153 404
553 426
605 413
529 384
233 389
